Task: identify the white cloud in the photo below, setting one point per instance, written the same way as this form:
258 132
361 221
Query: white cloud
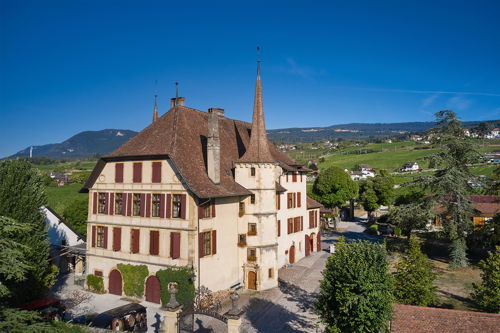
305 72
426 102
459 103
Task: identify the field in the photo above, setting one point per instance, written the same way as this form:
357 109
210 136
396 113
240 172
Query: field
60 196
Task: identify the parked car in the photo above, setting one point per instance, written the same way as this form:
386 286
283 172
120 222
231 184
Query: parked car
48 307
129 317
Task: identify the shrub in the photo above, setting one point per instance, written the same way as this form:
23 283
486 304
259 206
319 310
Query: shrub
133 279
397 232
487 294
356 290
183 277
373 229
95 283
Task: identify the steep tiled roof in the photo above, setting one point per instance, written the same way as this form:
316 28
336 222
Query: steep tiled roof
311 203
181 135
419 319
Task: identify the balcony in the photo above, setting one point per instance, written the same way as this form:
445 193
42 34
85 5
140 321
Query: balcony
242 243
252 258
252 233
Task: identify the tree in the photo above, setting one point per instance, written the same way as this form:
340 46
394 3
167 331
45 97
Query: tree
449 184
21 198
75 213
414 279
356 290
483 129
384 188
411 211
334 187
368 197
487 294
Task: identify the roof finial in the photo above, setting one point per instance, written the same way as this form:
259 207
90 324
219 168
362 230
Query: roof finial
258 62
155 111
176 92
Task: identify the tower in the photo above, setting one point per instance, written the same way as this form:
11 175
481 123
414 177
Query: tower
155 111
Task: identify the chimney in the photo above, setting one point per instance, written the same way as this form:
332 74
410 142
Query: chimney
180 101
213 144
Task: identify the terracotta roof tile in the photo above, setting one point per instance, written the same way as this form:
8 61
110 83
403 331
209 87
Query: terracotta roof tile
419 319
311 203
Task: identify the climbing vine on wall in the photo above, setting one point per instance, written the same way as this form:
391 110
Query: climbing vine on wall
133 278
95 283
184 279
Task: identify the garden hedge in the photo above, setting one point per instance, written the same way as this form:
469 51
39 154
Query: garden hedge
183 277
95 283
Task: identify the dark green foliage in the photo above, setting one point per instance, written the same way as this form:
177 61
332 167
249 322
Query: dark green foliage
334 187
487 294
184 279
95 283
17 321
449 184
134 277
356 290
75 213
384 189
398 232
411 216
414 279
373 229
458 253
368 197
79 177
21 197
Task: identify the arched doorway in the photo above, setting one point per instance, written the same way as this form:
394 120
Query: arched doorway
291 254
312 238
307 246
252 280
318 244
153 289
115 282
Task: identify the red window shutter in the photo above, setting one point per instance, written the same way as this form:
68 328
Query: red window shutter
137 172
105 237
111 204
156 178
183 206
294 177
301 178
119 173
169 206
298 199
287 176
175 245
162 205
129 204
213 208
135 240
294 200
214 241
143 204
279 228
154 241
201 238
311 219
94 203
289 225
94 231
201 213
148 205
278 201
124 204
288 201
117 239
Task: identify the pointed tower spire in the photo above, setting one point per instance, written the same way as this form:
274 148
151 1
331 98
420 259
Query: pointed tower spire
258 149
155 111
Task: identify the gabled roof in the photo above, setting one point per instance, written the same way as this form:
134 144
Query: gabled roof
180 136
419 319
311 203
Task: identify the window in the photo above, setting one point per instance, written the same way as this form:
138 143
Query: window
251 254
207 243
278 201
290 197
252 199
252 172
294 176
117 239
156 172
176 205
119 173
156 205
290 225
252 229
242 239
97 272
270 273
241 209
154 242
279 228
137 204
118 203
207 209
101 239
134 240
102 203
137 177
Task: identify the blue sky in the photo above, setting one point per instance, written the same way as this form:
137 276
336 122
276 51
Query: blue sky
69 66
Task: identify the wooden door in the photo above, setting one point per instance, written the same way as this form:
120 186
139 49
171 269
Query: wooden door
291 254
307 244
153 289
311 243
115 282
252 280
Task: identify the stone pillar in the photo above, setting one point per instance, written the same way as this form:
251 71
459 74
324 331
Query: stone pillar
234 315
172 310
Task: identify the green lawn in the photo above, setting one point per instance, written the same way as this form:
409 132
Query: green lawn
59 196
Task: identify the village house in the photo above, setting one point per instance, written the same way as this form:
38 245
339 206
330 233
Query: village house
199 190
485 208
410 166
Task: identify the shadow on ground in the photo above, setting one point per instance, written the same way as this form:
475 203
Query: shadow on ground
305 300
266 316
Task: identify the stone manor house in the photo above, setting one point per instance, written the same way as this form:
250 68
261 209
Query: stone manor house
196 189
